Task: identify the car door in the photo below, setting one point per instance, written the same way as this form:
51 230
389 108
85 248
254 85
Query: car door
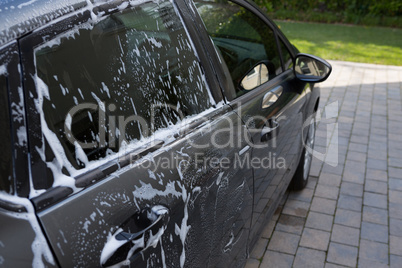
130 158
262 89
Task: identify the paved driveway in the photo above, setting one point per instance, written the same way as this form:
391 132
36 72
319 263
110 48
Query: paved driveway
350 214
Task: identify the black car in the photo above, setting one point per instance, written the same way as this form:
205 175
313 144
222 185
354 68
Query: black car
147 133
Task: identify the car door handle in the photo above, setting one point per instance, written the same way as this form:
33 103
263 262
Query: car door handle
271 97
140 231
269 130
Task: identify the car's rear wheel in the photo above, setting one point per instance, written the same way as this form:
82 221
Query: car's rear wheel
300 179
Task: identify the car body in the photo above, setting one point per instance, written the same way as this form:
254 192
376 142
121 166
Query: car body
147 133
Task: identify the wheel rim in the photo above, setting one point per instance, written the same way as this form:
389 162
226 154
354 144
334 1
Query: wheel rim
308 153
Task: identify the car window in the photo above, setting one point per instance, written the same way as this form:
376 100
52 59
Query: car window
287 58
247 44
6 170
117 81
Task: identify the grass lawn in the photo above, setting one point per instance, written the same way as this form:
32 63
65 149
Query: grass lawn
347 43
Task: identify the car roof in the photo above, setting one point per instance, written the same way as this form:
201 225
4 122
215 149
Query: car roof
19 17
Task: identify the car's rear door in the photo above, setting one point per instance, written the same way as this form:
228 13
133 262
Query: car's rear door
129 147
262 89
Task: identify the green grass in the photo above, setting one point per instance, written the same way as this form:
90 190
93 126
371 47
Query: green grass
347 43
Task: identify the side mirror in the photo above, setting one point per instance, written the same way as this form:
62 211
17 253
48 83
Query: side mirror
258 75
309 68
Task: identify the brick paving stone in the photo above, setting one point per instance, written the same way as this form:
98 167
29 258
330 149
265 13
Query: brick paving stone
331 265
268 230
277 213
352 176
306 195
283 200
395 184
348 218
259 248
357 147
395 227
262 204
326 191
375 251
355 166
343 141
311 258
312 182
359 139
352 189
378 175
252 263
378 138
396 261
395 162
395 211
395 172
375 215
376 187
321 147
395 137
290 224
315 239
344 133
378 131
376 154
376 146
374 232
363 263
395 245
276 259
345 235
323 205
319 221
395 197
346 119
375 200
361 128
321 142
342 254
284 242
350 202
337 170
329 179
364 127
296 208
377 164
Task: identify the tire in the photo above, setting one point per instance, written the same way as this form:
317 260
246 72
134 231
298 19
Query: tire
300 178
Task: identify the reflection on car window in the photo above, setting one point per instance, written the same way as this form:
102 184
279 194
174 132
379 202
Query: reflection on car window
242 38
132 73
5 142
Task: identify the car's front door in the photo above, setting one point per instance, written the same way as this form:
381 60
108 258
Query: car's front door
130 156
263 91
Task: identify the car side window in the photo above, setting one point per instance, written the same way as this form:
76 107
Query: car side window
6 166
107 84
247 44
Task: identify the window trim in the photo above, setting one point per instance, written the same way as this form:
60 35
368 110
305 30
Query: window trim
282 57
9 56
9 130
